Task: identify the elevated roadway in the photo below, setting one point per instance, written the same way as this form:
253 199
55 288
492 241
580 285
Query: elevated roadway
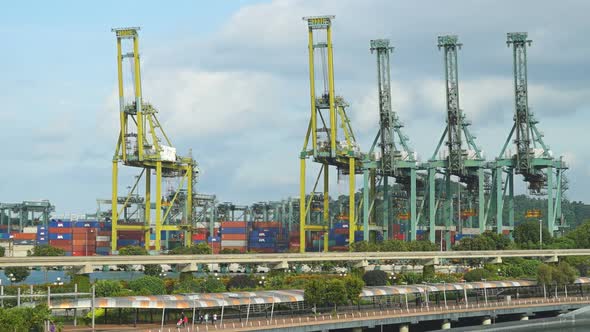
190 262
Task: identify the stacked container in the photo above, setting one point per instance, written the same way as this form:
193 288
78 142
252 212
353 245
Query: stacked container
215 243
130 238
266 237
339 237
4 235
60 235
84 238
294 240
234 235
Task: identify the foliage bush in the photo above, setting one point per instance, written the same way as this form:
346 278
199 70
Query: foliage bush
153 270
375 278
241 282
20 273
354 287
148 285
24 319
198 249
107 288
478 275
46 250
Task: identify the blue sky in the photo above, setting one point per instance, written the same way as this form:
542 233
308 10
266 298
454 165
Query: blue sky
230 81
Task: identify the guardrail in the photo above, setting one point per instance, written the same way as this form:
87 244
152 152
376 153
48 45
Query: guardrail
284 258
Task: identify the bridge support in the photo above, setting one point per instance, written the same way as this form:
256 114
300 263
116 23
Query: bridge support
404 328
281 266
434 261
552 259
486 321
362 264
84 269
446 325
497 260
357 329
191 267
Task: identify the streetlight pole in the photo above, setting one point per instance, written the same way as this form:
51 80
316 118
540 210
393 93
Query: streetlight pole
485 291
540 233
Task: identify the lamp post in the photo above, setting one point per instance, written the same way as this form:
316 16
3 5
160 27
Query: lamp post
445 293
162 275
485 290
540 233
58 282
12 278
261 282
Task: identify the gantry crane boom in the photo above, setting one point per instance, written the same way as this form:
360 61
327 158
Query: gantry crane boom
141 144
397 158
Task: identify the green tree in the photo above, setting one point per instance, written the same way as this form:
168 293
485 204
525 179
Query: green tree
22 319
148 285
428 272
564 274
423 245
335 292
545 274
478 275
394 245
410 278
132 251
2 251
198 249
19 273
108 288
581 235
46 250
211 285
375 278
354 287
527 234
241 282
314 292
153 270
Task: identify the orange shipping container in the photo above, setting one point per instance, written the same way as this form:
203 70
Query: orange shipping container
233 237
266 224
84 243
233 224
59 230
24 236
83 230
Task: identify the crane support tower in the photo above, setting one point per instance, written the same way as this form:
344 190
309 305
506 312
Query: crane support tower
532 159
142 143
396 158
327 147
462 159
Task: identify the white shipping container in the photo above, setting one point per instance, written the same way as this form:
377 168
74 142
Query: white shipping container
234 243
30 229
103 238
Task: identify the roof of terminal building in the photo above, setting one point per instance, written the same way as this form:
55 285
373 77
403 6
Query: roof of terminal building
216 300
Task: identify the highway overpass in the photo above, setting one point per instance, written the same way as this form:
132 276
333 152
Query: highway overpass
282 261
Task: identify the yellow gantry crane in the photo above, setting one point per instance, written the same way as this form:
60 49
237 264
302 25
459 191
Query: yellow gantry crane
142 143
327 113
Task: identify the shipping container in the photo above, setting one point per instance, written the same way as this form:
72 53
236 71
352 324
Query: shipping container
60 224
24 236
241 249
225 237
233 231
266 224
57 230
59 236
233 224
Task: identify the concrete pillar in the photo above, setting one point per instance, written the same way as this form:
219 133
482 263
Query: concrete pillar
446 325
524 317
404 328
357 329
486 321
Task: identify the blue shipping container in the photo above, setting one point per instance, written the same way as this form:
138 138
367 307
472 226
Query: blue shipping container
67 236
64 224
213 239
86 224
233 231
123 243
41 228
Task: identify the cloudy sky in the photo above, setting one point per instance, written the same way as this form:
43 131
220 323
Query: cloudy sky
230 80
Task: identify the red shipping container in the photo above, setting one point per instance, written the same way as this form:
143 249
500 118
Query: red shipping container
266 224
83 243
83 253
59 230
77 230
341 231
84 248
233 224
104 233
199 236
